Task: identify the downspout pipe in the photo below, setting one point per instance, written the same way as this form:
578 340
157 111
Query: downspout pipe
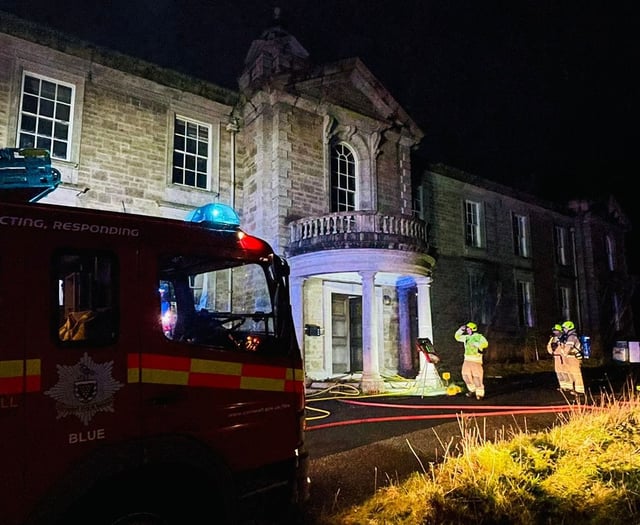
577 278
233 128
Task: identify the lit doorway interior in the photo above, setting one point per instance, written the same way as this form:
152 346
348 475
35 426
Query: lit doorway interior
346 333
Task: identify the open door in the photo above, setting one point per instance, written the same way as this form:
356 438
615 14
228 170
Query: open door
346 329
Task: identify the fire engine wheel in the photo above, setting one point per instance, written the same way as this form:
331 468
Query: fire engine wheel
151 498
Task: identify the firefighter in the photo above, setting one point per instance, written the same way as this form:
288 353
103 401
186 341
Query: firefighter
472 371
554 347
571 349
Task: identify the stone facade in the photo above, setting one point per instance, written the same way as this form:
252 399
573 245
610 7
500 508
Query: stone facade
585 275
271 158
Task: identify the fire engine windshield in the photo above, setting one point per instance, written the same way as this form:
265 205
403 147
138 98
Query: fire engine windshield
228 307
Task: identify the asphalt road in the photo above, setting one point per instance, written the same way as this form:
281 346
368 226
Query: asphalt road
359 444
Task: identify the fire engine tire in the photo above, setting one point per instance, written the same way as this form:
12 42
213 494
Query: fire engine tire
153 497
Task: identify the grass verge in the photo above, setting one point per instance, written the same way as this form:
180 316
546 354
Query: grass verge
585 469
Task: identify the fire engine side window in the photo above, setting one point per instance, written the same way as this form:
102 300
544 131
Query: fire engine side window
85 292
230 308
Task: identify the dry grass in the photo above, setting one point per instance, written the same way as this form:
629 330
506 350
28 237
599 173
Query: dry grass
585 470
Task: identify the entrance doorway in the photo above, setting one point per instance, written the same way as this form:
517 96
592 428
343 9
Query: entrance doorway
346 329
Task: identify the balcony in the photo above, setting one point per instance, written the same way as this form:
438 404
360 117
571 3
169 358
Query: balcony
358 229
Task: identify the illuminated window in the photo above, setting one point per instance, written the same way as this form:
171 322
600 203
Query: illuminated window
473 224
520 234
192 153
343 178
46 108
525 304
85 293
217 303
561 240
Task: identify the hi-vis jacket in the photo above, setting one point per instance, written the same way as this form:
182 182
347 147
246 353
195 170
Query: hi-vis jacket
474 344
570 345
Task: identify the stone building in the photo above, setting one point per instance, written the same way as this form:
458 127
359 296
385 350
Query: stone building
317 159
516 265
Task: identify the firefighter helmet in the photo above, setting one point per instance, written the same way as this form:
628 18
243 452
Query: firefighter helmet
472 326
556 328
568 326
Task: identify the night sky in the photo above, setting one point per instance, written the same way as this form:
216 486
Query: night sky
540 95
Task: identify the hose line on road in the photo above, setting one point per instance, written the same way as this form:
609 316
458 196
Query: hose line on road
506 411
338 391
445 411
346 393
448 407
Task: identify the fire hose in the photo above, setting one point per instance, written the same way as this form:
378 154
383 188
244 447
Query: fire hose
452 411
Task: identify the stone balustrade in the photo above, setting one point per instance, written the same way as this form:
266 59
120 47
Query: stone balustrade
357 229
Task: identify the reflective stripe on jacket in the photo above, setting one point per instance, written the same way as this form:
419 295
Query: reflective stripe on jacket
474 344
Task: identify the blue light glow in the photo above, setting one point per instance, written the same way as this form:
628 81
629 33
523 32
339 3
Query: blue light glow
215 215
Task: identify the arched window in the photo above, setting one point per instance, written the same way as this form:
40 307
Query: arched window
343 178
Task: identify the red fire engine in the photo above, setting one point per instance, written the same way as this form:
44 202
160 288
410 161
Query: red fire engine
149 371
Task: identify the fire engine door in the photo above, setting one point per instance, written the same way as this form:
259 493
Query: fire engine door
81 299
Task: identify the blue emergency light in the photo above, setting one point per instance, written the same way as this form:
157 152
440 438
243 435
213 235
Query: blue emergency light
215 215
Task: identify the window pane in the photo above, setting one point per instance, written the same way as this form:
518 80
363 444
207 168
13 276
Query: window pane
85 291
343 179
191 146
45 115
59 149
28 124
218 305
30 104
31 85
61 131
192 130
202 149
46 108
64 95
48 90
63 112
191 154
26 141
44 143
45 127
472 224
177 177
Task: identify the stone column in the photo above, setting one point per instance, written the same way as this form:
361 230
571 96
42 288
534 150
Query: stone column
428 379
372 382
425 322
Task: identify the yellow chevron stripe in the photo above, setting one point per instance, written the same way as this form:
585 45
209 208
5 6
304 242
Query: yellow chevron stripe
133 375
13 368
205 366
262 383
33 367
165 377
296 374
